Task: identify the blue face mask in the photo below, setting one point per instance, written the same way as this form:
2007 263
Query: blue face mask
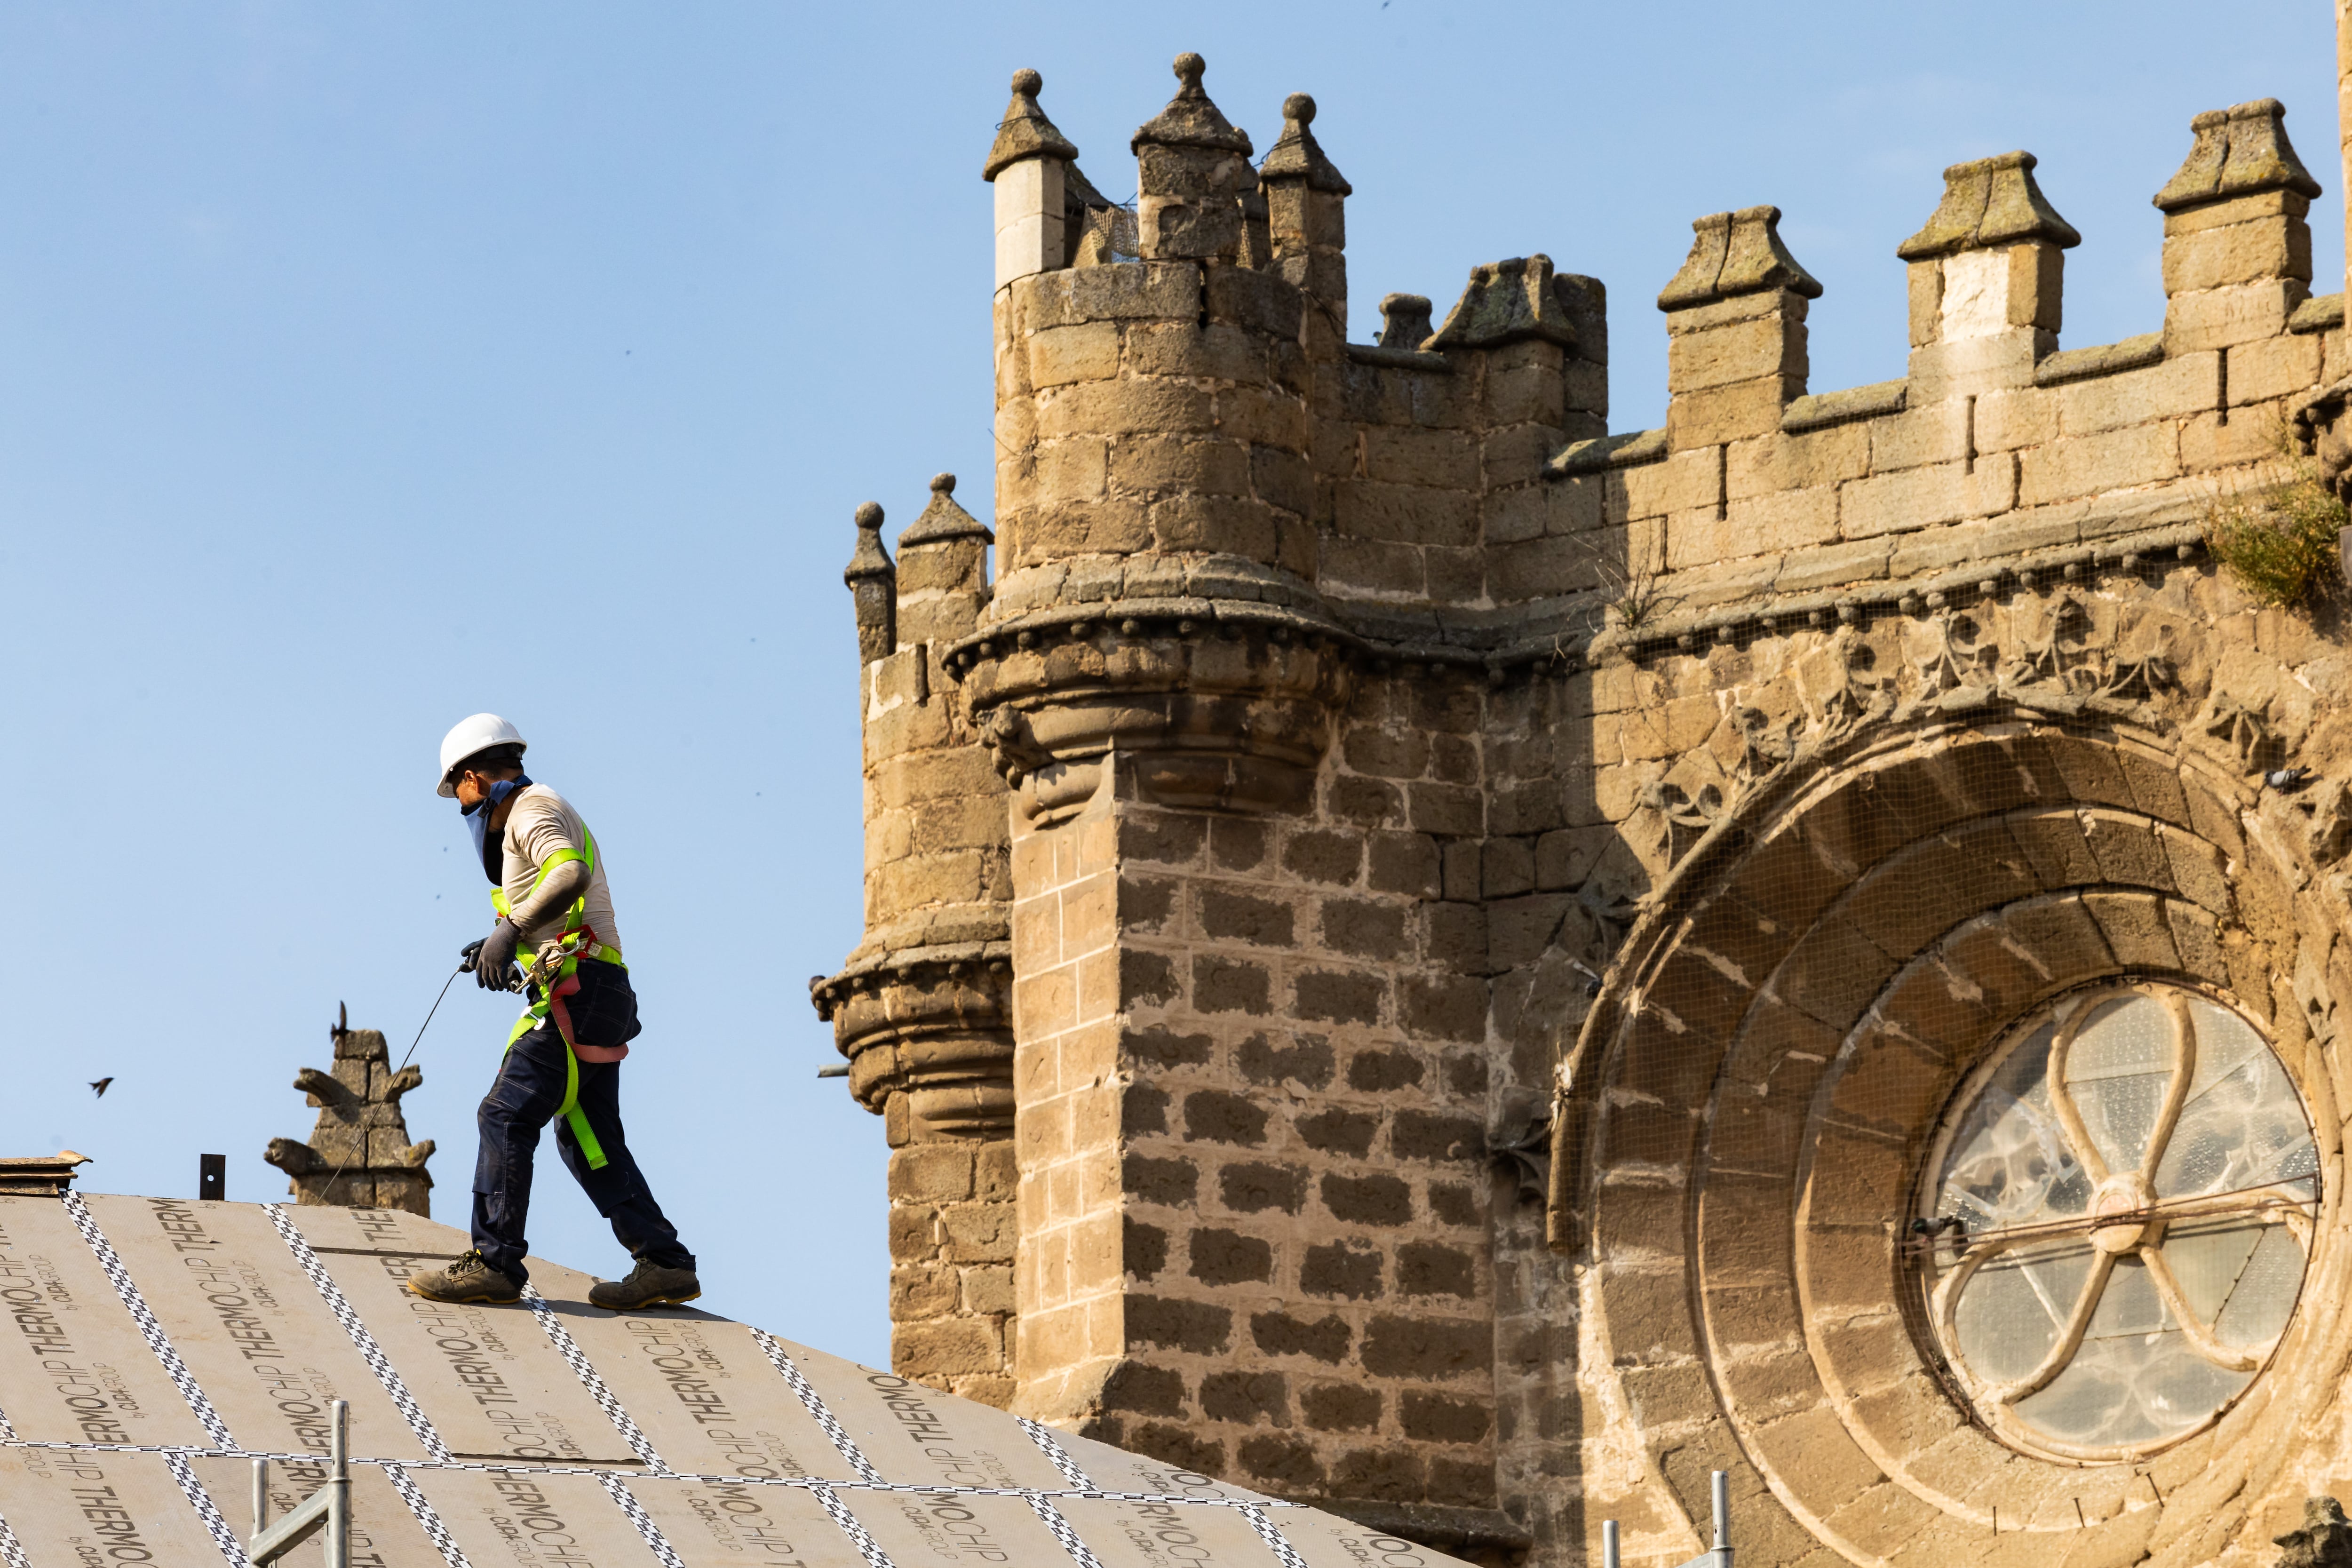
492 854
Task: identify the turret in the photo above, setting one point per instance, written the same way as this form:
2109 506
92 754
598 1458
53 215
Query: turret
1154 496
921 1010
1027 165
1307 200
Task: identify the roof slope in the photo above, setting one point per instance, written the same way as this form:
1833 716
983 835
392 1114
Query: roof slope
152 1347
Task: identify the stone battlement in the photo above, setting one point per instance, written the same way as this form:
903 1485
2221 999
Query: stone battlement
1458 488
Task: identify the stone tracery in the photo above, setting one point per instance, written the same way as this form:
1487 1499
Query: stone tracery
2062 1177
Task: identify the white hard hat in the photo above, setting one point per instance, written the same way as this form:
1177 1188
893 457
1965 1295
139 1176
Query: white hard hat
478 733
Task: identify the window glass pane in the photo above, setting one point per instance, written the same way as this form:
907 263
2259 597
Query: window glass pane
2260 1306
2207 1260
2010 1313
2138 1388
2142 1375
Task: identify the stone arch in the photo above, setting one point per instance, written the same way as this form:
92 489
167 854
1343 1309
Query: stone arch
1747 1107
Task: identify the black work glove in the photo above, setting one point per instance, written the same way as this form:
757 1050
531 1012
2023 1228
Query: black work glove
494 967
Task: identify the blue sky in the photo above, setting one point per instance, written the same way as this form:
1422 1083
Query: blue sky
363 366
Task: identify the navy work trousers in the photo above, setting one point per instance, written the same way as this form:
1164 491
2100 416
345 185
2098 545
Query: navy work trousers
529 1089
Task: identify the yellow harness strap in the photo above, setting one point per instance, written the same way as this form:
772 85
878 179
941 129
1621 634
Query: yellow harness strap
573 949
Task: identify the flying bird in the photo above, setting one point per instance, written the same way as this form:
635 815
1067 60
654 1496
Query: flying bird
99 1089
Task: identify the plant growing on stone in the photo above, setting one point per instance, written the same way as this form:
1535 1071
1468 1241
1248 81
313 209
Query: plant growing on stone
1632 594
2280 542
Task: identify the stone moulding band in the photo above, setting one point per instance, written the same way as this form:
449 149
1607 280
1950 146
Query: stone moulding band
907 966
1139 617
2123 555
1560 649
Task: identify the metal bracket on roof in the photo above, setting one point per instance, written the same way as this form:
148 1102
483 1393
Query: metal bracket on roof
329 1507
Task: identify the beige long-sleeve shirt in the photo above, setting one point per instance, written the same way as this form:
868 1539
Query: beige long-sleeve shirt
542 822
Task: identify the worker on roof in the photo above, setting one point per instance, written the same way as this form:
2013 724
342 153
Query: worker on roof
562 1061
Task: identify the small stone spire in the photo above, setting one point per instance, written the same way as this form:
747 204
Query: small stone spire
942 581
1989 202
874 585
1028 163
358 1155
1193 166
1296 155
1735 253
942 520
1024 132
2238 151
1307 209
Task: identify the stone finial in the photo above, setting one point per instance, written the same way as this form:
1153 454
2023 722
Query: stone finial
2238 151
2325 1539
1988 203
1296 155
942 520
874 585
1024 132
1191 119
1404 320
1506 302
1735 253
358 1155
869 559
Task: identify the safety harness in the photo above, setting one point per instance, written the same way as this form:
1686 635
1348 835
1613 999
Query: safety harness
554 975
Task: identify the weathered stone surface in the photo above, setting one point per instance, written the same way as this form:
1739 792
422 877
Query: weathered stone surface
359 1154
1422 800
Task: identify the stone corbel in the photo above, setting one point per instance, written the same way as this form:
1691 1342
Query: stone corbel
929 1034
1215 706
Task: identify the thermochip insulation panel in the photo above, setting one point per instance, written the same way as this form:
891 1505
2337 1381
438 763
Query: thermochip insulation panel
155 1347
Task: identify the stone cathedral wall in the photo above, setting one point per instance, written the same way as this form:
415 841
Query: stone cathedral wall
1419 950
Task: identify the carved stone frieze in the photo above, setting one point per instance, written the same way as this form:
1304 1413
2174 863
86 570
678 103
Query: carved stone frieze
2243 728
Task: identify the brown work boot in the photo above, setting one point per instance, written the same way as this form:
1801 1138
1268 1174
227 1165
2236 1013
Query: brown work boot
648 1285
469 1278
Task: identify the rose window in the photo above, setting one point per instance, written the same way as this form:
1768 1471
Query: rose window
2120 1211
